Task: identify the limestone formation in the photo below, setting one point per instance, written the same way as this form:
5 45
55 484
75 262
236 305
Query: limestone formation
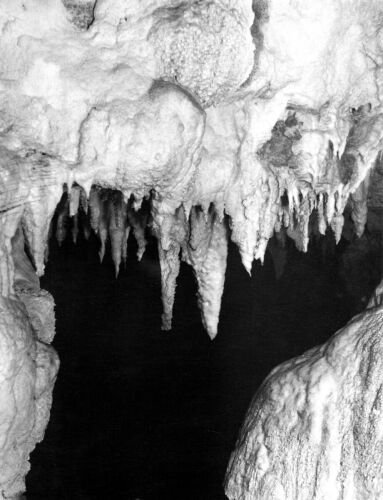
314 429
28 371
224 118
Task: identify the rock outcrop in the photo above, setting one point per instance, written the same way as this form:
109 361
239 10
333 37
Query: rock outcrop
314 429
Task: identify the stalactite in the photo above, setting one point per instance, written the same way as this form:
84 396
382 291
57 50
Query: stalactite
102 231
269 216
170 231
95 207
62 219
206 251
170 267
138 221
298 229
85 225
303 222
74 202
83 200
36 220
330 207
124 245
117 213
75 228
337 226
359 208
321 217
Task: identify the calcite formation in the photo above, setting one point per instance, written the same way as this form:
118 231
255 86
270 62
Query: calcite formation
228 118
28 371
314 429
206 47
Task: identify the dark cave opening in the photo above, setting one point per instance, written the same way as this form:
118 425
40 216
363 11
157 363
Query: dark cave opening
139 413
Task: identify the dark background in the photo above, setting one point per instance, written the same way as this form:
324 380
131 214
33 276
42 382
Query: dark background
143 414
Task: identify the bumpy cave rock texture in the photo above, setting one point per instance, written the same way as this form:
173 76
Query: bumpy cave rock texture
314 429
230 119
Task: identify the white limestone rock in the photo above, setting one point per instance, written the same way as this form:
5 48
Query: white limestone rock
28 366
151 143
27 375
315 427
206 47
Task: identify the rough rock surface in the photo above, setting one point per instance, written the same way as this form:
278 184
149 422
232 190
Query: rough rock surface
81 12
28 371
206 47
315 428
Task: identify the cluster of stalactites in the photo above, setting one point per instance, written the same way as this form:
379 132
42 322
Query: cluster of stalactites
199 239
199 236
303 215
108 215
